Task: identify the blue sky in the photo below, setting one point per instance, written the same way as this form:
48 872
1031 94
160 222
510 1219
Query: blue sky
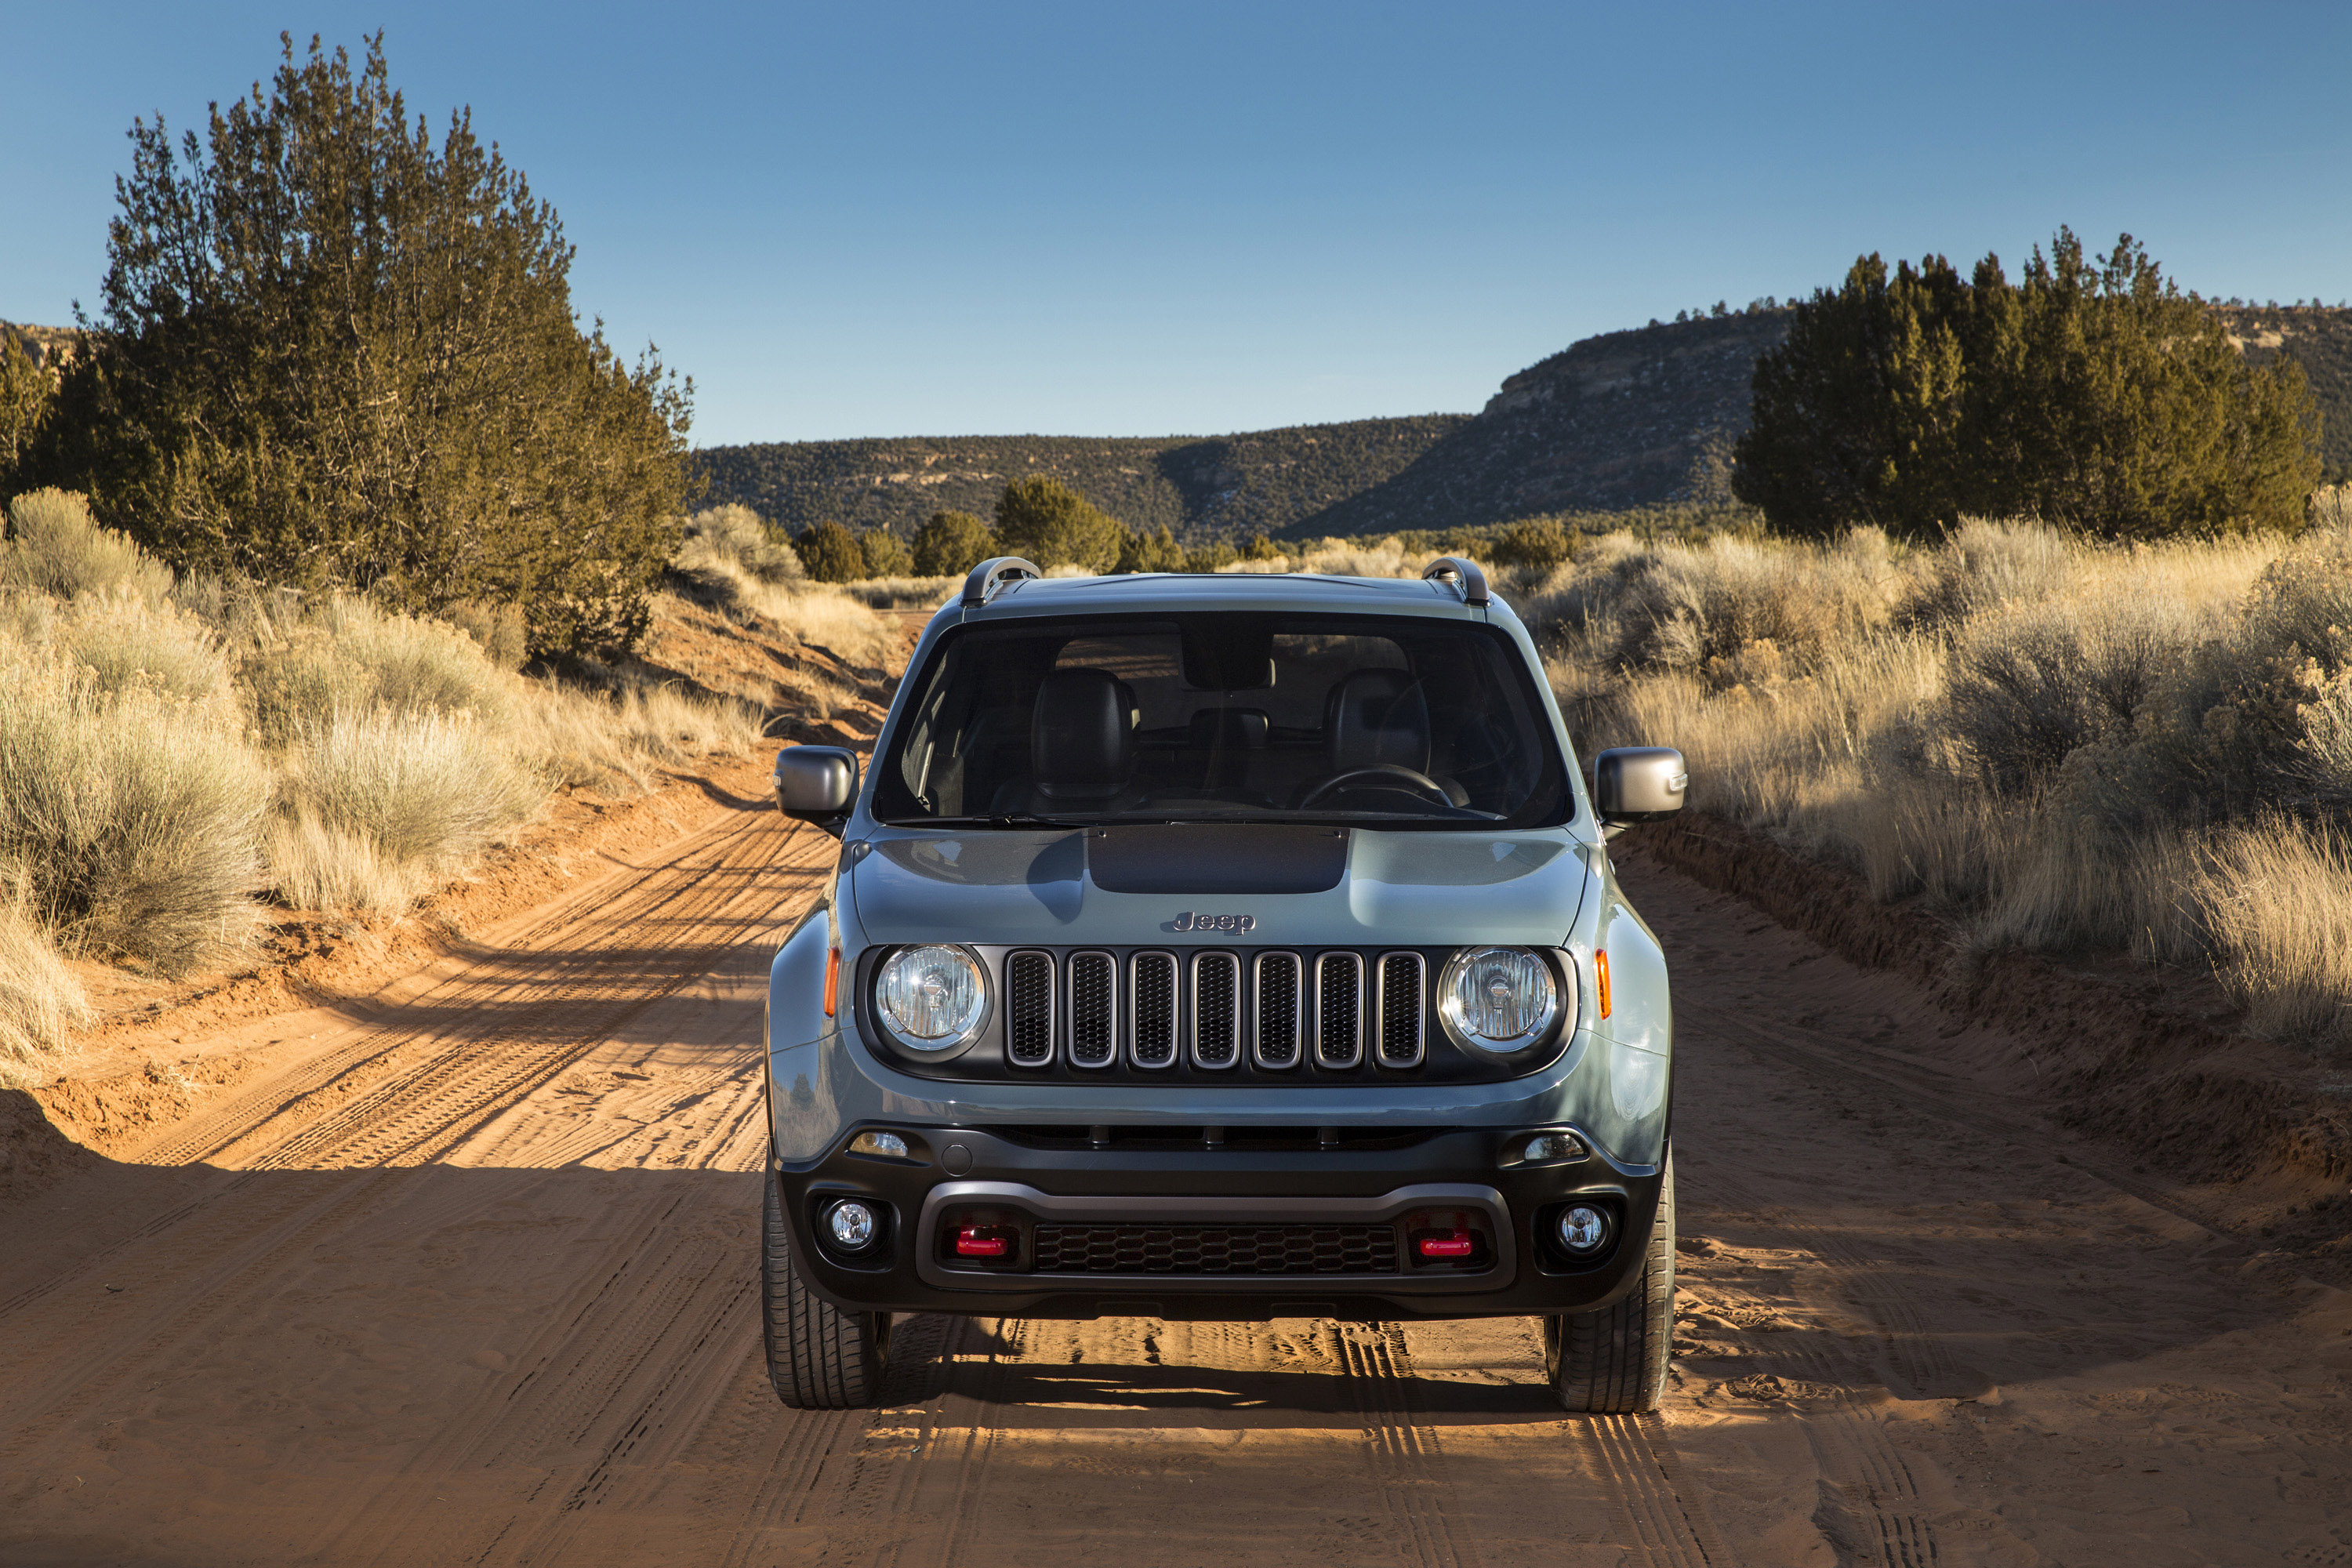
1092 219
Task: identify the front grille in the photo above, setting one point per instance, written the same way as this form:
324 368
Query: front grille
1152 994
1029 1008
1399 1031
1339 1010
1094 1009
1216 1009
1256 1249
1278 1010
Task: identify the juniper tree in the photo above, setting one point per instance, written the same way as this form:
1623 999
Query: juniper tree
339 351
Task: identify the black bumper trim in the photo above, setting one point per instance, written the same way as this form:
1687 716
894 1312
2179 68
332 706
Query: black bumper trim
1205 1210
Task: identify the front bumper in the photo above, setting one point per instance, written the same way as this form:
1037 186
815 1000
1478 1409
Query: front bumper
1023 1189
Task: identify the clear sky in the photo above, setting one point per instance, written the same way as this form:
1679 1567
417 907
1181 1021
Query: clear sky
865 219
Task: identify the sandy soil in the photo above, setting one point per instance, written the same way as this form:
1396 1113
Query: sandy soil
471 1279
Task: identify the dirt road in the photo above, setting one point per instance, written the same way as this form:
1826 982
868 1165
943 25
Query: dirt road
472 1281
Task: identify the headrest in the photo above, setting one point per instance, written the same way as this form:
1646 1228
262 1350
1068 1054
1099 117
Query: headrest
1081 737
1376 716
1236 728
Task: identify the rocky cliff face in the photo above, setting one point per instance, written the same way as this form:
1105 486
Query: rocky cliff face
1618 420
51 346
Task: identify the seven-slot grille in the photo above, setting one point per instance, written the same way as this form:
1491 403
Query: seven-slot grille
1339 1009
1278 1013
1152 993
1399 1030
1029 1008
1216 1010
1273 1009
1094 1009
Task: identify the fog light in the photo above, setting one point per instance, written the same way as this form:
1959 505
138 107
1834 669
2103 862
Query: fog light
885 1146
853 1224
1583 1229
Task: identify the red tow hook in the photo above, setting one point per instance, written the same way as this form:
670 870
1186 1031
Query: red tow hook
1454 1243
982 1241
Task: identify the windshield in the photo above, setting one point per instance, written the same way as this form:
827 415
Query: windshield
1221 716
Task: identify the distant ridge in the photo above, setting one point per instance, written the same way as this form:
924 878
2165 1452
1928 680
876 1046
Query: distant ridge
1619 420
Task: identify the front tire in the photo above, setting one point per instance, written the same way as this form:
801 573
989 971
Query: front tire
819 1357
1614 1361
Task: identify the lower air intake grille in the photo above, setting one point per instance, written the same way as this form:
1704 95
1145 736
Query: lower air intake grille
1278 1010
1217 1249
1029 1008
1154 991
1339 1010
1401 1022
1216 1009
1094 1009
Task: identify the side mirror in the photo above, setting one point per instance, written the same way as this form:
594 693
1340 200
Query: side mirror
817 784
1638 783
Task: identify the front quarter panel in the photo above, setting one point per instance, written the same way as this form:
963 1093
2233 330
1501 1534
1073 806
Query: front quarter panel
802 1042
1640 1028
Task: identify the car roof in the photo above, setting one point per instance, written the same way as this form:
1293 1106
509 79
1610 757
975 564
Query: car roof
1301 592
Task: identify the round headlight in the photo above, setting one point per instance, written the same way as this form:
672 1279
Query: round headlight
852 1224
931 998
1496 999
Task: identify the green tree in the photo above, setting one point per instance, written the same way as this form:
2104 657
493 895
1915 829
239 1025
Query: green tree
951 544
885 554
1154 551
338 351
28 390
831 553
2094 396
1053 525
1261 548
1857 416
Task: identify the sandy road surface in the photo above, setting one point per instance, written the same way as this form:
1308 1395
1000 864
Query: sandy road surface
474 1283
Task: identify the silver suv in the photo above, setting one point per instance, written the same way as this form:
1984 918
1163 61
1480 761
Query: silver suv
1225 946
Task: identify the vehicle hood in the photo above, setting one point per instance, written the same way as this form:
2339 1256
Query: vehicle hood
1401 890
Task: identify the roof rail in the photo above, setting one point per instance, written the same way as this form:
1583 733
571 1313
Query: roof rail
988 574
1467 572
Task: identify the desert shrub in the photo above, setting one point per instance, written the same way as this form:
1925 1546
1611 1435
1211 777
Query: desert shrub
1985 563
951 544
40 1002
54 546
734 533
2031 685
831 553
1153 552
884 554
344 655
125 642
1704 609
499 630
904 593
1053 525
2275 896
423 787
134 818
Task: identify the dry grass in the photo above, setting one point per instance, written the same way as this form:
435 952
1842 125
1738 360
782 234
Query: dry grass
40 1002
2275 897
54 547
2065 745
904 593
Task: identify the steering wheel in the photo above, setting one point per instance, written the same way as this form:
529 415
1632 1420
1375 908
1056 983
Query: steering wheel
1391 775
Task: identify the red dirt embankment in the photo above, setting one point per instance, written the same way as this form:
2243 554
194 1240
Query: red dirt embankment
2144 1055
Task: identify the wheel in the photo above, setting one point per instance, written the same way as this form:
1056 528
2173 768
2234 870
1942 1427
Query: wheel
819 1357
1614 1361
